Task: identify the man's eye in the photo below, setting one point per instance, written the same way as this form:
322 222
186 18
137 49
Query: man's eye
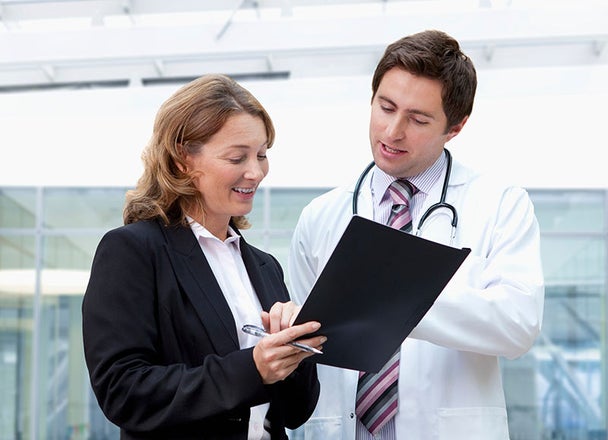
386 109
262 157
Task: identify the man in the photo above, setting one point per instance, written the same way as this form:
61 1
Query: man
449 382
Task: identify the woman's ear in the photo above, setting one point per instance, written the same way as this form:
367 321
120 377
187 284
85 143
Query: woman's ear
181 166
181 161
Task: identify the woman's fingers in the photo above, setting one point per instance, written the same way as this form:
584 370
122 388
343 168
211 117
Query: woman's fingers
275 359
282 315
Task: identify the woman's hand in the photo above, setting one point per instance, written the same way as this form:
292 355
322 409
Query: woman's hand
280 317
274 359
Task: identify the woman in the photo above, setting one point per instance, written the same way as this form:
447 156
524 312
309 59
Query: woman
170 290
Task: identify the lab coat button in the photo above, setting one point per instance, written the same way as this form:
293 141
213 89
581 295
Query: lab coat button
352 415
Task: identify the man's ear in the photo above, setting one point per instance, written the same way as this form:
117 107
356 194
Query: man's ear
455 129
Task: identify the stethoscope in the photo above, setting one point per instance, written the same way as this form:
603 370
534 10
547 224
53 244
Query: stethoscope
441 204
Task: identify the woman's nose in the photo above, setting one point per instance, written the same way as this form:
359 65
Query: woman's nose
256 170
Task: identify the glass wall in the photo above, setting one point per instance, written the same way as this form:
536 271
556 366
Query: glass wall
47 240
48 237
558 390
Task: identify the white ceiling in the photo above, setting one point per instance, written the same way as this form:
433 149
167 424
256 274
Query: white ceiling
84 43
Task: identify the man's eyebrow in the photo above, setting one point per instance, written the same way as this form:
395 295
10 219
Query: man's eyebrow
422 113
387 100
410 111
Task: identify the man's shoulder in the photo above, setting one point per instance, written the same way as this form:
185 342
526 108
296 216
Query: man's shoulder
483 182
488 193
334 196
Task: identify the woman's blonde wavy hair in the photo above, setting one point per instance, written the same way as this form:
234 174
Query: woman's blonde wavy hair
183 124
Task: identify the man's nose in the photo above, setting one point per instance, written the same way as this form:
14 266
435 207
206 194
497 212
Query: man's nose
396 128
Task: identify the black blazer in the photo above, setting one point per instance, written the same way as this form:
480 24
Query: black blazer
161 344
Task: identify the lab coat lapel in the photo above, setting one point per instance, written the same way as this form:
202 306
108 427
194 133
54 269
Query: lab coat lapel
365 207
199 283
437 226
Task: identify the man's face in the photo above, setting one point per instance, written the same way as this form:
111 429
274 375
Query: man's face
407 127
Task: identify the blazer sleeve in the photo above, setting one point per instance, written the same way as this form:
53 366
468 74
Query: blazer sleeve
296 397
143 380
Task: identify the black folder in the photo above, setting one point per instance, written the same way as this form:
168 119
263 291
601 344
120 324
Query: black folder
375 288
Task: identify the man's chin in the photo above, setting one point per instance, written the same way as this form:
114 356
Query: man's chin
392 167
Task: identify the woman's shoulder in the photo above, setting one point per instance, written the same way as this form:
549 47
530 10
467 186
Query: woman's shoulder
141 227
143 231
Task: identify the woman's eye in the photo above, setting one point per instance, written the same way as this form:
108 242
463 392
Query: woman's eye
236 159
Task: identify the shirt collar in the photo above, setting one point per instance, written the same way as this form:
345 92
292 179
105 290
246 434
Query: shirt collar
423 181
200 232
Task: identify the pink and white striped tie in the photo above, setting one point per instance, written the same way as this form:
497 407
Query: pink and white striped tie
377 393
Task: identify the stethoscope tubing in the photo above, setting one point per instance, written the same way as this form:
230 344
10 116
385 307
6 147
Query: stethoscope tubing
441 204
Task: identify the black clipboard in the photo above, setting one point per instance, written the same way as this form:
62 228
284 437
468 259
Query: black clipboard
375 288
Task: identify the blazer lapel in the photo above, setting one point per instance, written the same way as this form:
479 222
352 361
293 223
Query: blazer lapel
263 280
255 267
196 277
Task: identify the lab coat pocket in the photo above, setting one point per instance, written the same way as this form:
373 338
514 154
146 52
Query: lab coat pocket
323 428
482 423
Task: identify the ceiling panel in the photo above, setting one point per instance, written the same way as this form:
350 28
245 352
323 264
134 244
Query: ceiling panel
120 42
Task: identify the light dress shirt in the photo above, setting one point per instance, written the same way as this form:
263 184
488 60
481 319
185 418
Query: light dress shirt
227 265
383 204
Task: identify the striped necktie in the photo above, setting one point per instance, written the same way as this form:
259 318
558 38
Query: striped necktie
377 393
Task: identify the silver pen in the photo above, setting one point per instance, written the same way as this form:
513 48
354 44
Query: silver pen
259 331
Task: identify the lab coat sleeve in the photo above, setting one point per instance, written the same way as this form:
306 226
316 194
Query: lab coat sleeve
494 303
301 264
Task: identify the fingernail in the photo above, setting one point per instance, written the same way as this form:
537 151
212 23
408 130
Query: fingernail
323 339
316 326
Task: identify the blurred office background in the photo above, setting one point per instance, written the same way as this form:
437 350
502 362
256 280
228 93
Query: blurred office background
80 83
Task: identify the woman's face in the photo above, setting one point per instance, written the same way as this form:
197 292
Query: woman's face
228 170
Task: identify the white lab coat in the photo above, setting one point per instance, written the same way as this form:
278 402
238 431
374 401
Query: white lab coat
450 382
